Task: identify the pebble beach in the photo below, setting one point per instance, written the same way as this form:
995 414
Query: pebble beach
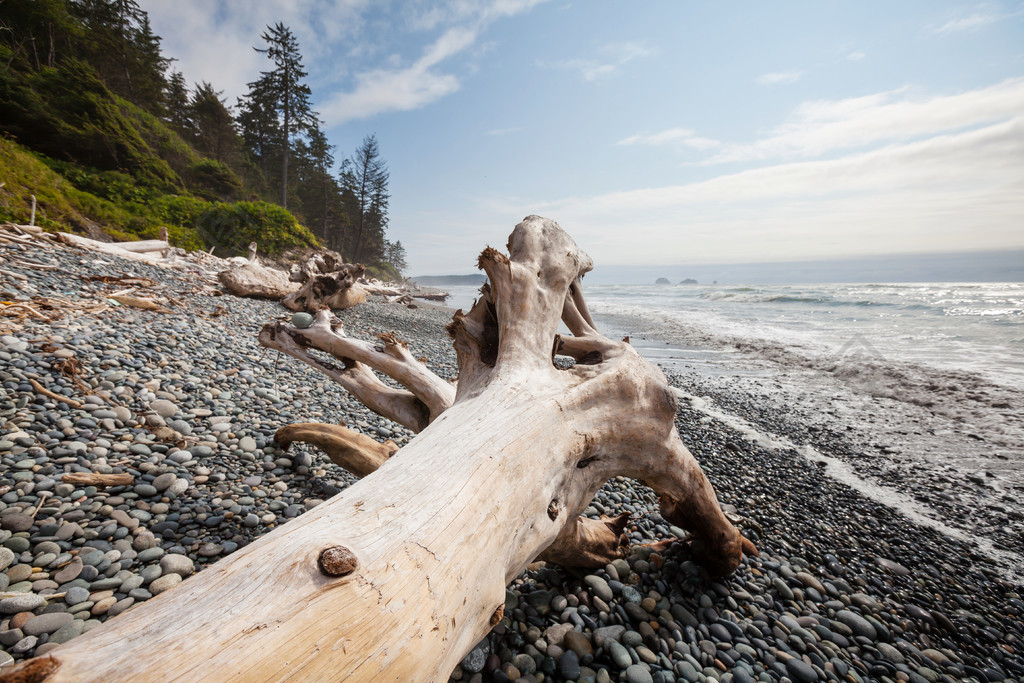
187 403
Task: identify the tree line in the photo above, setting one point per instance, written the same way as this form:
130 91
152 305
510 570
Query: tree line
269 145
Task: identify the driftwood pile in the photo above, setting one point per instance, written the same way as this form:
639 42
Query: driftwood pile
321 280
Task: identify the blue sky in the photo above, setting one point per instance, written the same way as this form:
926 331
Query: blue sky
661 132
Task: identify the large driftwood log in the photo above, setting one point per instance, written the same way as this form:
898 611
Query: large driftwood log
256 280
398 576
327 282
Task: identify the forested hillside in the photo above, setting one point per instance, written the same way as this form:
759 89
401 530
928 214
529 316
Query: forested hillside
96 123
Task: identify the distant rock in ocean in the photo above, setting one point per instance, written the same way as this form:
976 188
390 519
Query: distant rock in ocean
689 281
662 281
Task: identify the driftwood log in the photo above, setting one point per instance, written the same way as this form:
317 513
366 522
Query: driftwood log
256 280
402 573
326 282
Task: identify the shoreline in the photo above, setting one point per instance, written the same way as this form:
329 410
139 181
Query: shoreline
911 457
845 587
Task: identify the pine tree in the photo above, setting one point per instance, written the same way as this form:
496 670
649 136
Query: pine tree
213 124
120 44
176 103
260 129
365 177
285 90
320 154
394 253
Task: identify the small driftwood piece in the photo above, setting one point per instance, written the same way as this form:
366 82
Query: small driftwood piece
399 575
85 479
40 389
138 302
143 246
357 453
12 274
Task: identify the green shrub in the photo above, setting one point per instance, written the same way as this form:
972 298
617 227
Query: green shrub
384 271
186 238
178 209
214 180
230 228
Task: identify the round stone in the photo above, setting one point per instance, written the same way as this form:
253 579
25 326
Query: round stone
164 583
70 572
302 320
801 670
474 661
569 665
578 643
637 673
6 558
145 490
28 602
620 655
75 595
164 481
68 631
150 554
858 624
163 408
46 623
177 564
599 587
16 522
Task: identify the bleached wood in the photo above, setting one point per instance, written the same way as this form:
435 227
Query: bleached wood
96 479
143 246
326 283
440 528
427 395
357 453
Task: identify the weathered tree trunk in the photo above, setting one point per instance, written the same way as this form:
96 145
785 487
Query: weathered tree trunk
398 576
326 283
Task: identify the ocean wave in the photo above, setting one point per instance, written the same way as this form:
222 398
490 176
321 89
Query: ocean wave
747 296
969 385
986 312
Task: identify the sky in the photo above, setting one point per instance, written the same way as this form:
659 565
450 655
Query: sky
658 133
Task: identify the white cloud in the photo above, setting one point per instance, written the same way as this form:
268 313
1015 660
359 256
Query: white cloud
856 56
214 46
217 46
613 56
684 137
779 77
962 190
428 15
504 131
401 89
968 23
818 127
982 15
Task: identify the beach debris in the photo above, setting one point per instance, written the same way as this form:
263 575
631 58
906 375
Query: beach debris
97 479
57 397
256 280
48 308
138 302
326 282
248 277
129 280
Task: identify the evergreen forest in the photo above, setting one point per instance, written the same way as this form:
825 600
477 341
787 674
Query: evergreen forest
114 142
